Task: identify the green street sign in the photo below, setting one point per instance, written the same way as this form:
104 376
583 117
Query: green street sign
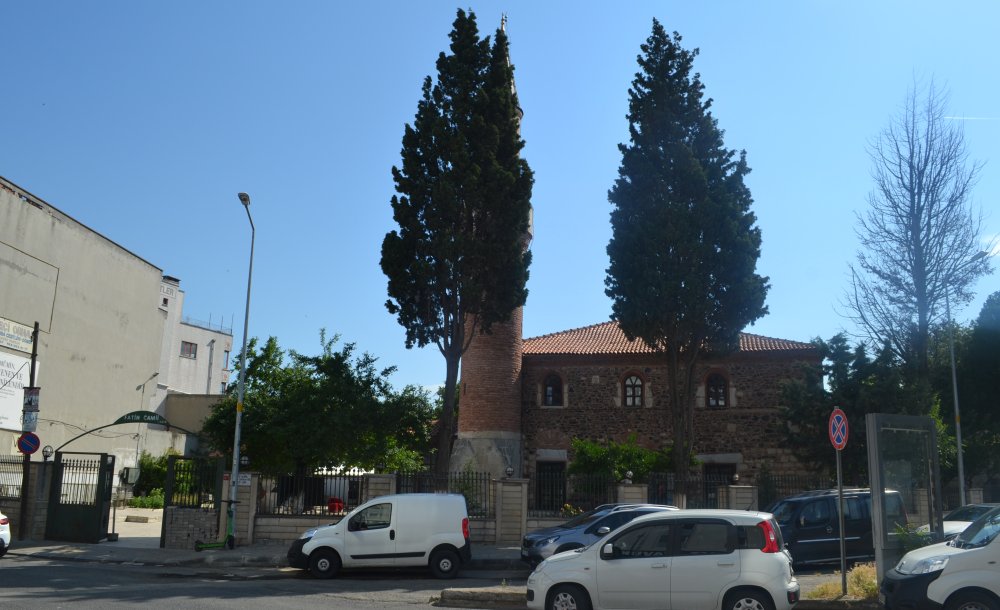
142 417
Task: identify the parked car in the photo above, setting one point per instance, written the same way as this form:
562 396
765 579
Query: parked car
4 534
705 559
961 574
810 524
957 520
581 530
390 531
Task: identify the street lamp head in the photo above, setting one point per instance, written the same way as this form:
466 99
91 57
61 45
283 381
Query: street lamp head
244 199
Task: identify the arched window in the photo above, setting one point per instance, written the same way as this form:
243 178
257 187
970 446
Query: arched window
552 391
633 391
716 391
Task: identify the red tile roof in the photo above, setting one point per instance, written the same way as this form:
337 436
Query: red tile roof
608 338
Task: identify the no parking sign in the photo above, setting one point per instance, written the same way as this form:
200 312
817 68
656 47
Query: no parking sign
838 429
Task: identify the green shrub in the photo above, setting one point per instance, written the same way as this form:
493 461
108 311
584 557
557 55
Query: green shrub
153 500
862 583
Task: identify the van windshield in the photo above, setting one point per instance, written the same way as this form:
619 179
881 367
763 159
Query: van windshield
783 512
981 532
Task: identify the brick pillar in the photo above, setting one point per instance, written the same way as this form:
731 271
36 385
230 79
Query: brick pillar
379 485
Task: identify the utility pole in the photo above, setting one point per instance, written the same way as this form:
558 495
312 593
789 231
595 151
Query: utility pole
26 463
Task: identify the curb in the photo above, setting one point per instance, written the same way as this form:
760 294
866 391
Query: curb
514 597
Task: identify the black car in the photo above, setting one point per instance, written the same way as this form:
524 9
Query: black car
811 528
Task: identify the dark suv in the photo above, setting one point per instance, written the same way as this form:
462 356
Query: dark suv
811 528
581 530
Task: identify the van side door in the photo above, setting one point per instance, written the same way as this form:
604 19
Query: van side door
817 532
370 537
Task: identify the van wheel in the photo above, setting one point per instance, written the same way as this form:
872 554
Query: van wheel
324 563
747 599
568 597
971 600
444 563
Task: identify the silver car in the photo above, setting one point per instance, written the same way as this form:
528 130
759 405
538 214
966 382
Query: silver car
581 530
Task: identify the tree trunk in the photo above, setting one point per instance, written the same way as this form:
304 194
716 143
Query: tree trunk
446 423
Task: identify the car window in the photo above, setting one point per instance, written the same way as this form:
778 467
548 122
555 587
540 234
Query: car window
704 538
376 516
784 512
815 513
967 513
894 513
651 540
853 510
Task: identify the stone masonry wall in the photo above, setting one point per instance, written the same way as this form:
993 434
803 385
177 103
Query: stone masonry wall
750 425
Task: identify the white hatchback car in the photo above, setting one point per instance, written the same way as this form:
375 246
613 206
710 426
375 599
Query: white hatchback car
702 559
4 534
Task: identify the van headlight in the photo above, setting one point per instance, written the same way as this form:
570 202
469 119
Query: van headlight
309 533
924 566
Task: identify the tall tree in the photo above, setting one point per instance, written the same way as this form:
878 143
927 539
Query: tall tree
458 262
333 409
684 248
920 237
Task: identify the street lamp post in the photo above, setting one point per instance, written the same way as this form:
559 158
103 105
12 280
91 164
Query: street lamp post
245 200
954 382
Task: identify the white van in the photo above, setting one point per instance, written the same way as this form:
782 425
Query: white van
961 574
390 531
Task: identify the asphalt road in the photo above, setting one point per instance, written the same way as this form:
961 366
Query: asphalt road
28 584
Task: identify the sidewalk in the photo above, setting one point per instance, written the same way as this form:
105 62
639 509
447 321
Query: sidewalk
138 543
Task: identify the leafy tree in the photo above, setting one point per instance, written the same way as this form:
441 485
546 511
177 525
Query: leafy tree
459 262
684 247
978 360
920 237
615 459
334 409
857 384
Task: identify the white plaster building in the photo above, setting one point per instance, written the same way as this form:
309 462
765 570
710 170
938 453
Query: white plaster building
112 338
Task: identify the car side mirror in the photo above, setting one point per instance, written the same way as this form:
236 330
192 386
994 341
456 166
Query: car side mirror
604 529
608 551
352 526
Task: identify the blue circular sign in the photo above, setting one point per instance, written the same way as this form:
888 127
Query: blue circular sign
28 443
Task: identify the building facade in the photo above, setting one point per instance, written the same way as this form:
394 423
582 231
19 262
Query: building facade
111 336
594 383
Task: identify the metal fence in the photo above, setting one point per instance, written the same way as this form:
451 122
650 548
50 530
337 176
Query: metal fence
79 481
11 472
193 482
550 494
477 487
701 491
313 494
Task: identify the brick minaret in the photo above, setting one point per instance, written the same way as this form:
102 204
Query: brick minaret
489 405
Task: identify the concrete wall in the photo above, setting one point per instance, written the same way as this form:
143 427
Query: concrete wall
96 304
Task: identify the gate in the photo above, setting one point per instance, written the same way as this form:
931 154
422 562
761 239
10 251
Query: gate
80 497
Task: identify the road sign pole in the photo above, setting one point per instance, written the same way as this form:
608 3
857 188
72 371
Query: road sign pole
840 512
22 527
838 429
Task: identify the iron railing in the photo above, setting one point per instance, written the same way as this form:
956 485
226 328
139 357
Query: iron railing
79 481
193 482
313 494
477 487
11 472
551 494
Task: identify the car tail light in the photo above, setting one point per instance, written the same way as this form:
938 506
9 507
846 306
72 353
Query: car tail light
770 539
4 520
465 528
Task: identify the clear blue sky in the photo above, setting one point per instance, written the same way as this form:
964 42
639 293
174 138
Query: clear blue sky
144 119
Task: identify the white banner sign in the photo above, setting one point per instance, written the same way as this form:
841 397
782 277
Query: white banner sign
15 336
14 377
